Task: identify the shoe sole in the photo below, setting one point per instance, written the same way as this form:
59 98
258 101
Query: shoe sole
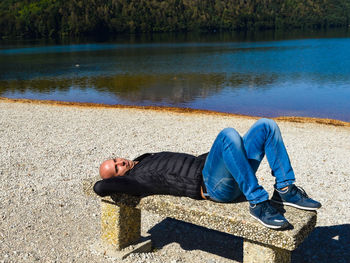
297 206
270 226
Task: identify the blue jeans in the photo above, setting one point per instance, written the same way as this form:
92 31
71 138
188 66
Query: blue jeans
232 162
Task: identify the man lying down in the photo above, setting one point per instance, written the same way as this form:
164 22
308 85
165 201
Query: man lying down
222 175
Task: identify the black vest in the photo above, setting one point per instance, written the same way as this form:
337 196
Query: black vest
169 173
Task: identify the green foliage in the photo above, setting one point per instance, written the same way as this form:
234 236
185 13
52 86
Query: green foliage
55 18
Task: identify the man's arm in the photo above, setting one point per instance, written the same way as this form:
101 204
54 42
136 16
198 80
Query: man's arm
121 184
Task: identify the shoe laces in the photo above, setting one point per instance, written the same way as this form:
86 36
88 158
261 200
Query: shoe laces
300 190
268 208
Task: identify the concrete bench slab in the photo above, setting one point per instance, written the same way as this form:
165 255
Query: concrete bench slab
121 223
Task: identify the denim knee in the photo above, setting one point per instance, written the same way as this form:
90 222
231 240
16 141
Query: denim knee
230 135
268 124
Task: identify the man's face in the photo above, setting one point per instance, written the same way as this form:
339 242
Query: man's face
121 166
115 167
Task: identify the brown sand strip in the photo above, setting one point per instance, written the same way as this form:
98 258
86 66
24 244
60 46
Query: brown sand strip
178 110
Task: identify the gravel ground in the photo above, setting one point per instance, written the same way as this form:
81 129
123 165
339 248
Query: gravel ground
47 150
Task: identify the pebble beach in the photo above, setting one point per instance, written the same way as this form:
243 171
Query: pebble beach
48 149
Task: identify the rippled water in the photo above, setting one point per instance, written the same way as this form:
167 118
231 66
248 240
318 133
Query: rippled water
263 76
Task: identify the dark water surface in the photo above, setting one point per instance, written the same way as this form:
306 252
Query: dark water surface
262 74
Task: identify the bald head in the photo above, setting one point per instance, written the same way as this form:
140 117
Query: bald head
107 169
115 167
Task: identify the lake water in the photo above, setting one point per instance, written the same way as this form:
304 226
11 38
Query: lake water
261 74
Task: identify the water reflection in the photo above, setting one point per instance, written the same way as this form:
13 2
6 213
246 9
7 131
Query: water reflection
169 88
248 74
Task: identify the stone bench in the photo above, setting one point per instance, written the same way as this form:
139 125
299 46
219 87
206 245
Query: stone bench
121 223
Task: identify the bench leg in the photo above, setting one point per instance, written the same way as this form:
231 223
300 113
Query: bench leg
120 225
257 252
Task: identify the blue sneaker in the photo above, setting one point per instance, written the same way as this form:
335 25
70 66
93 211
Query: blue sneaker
267 215
295 196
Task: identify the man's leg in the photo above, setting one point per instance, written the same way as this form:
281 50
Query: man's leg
264 137
227 171
228 159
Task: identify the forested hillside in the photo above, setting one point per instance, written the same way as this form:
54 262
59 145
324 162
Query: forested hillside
57 18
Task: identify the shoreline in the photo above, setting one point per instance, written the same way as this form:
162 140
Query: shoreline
324 121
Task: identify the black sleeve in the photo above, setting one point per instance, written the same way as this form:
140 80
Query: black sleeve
203 156
143 156
120 184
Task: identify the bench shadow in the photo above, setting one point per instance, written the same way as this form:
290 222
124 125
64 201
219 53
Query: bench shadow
325 244
193 237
